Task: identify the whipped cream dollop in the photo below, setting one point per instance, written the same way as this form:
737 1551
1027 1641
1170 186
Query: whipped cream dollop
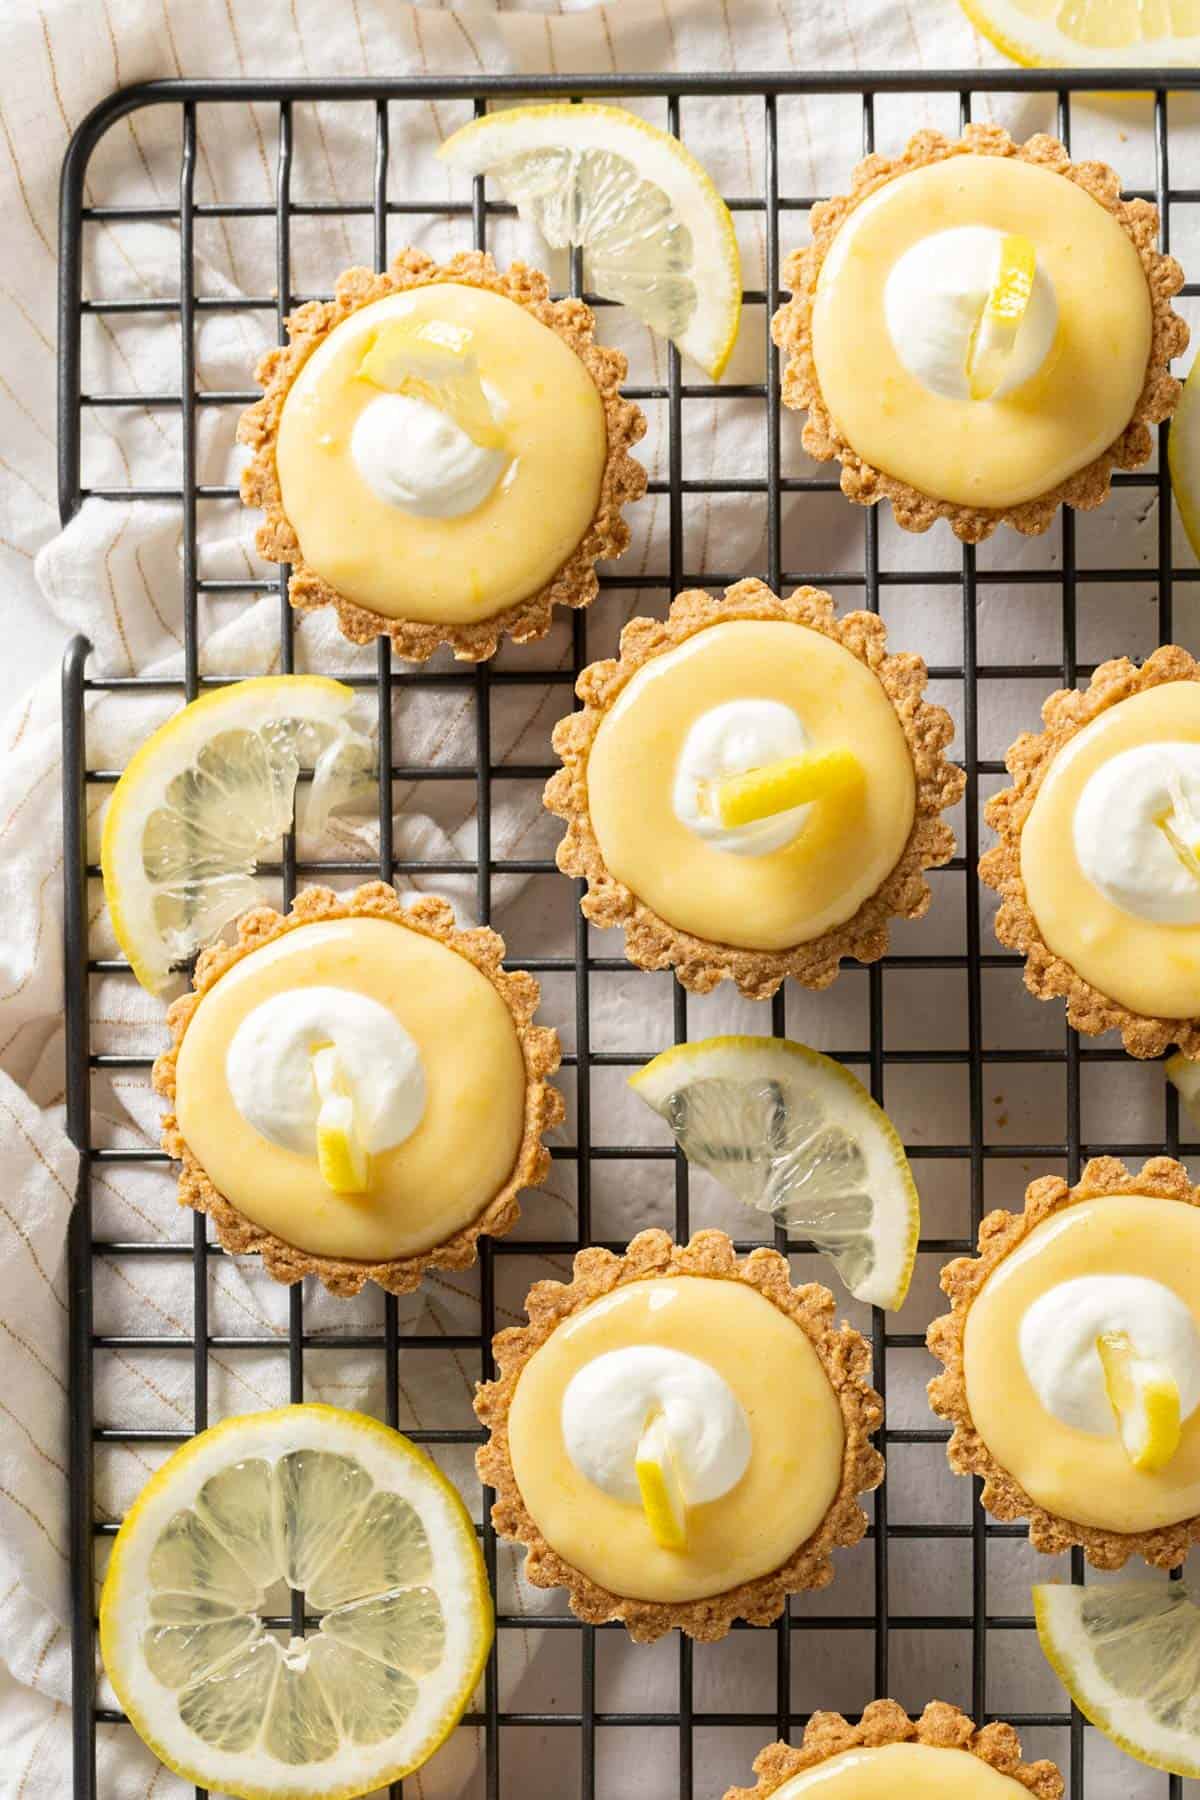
1136 828
1058 1335
729 740
934 297
413 455
268 1067
609 1402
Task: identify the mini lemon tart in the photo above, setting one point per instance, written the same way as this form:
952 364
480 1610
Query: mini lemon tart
1098 863
1072 1358
357 1089
754 788
980 331
940 1756
678 1437
442 455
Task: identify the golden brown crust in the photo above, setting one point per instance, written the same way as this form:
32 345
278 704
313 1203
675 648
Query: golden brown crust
544 1108
1048 975
624 479
941 1726
845 1357
962 1280
1089 486
653 943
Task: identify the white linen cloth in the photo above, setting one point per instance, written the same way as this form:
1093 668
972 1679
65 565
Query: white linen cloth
115 573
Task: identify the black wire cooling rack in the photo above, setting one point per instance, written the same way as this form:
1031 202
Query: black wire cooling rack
799 1633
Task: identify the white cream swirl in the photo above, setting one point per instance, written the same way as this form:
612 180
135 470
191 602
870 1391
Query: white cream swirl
268 1067
609 1402
1058 1335
414 456
933 299
1136 828
728 740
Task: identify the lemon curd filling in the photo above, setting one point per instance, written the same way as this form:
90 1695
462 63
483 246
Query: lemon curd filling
796 1440
889 1770
472 1099
1148 964
1082 1475
795 883
538 463
1020 443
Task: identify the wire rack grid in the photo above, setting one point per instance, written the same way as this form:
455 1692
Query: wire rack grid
794 1634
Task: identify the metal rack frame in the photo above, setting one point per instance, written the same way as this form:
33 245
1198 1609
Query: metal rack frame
776 1716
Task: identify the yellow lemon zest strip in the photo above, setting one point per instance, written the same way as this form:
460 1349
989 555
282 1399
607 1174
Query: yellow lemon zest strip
779 786
1145 1402
432 360
659 1484
995 334
345 1166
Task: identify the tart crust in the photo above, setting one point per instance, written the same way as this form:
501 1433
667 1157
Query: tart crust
844 1355
916 511
651 942
941 1726
962 1280
1047 974
624 479
430 917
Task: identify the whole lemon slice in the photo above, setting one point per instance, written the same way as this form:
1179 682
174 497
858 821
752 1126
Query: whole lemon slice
210 793
656 235
795 1135
1129 1656
339 1506
1118 34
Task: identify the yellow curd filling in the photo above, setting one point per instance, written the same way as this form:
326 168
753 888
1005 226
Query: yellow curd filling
457 569
1077 1474
890 1770
846 844
796 1440
1001 451
462 1150
1148 965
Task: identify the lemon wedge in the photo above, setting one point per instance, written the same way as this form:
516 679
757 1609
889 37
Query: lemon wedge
655 233
995 335
344 1164
661 1490
779 786
316 1499
1145 1401
795 1135
1119 34
207 795
1128 1653
432 360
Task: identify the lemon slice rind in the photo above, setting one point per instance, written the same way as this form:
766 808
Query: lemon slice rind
658 1483
995 337
1041 41
674 187
779 787
253 706
1145 1402
394 1466
1079 1626
870 1221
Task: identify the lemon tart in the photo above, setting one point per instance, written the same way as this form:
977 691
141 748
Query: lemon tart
1098 859
940 1756
679 1437
980 331
442 455
1072 1363
754 788
358 1089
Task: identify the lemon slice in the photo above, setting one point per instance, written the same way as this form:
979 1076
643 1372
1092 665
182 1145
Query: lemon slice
779 786
655 232
794 1134
432 360
207 795
322 1500
995 335
1119 34
1183 456
1129 1656
658 1482
1145 1401
1185 1076
344 1164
